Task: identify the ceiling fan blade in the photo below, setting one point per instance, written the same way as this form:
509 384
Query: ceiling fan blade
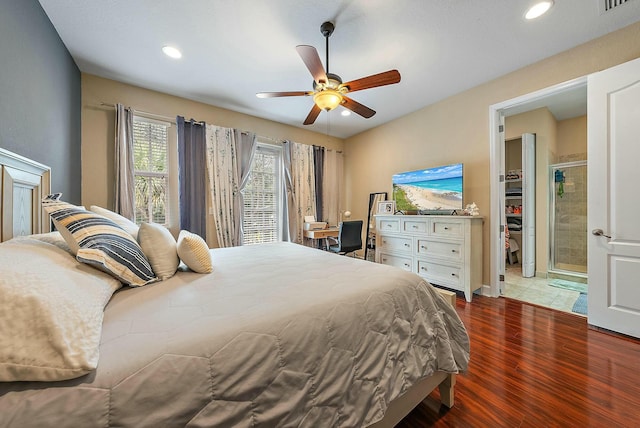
313 115
358 108
381 79
283 94
311 59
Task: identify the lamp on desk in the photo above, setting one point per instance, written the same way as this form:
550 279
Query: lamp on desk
345 215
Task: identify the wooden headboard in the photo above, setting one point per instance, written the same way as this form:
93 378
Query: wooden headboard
23 185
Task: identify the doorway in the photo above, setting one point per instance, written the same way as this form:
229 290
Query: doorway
507 279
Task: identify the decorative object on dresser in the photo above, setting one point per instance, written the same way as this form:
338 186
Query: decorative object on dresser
387 207
445 250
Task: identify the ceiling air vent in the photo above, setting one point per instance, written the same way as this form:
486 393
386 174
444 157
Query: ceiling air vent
607 5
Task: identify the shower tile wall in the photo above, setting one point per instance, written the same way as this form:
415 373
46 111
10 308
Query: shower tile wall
571 221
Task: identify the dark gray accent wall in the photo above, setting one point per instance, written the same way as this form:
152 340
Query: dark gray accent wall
40 98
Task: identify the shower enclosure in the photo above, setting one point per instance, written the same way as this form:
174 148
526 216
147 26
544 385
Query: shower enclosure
568 219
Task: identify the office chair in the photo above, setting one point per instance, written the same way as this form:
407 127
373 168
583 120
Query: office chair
349 238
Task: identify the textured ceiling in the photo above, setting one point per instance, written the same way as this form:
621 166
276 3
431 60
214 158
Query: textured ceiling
233 49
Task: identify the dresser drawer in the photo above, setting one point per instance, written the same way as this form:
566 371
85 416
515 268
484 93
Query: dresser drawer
389 225
444 250
449 276
396 261
447 228
395 243
419 225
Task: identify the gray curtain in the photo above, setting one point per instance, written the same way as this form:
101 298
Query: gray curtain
245 149
318 164
289 215
192 175
124 203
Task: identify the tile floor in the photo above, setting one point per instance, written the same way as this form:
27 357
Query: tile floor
537 290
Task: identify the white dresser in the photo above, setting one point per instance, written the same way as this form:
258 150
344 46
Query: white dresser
445 250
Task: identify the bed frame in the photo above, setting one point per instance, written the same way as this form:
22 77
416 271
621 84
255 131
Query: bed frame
24 183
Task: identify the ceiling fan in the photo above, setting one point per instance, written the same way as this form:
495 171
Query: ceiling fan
328 90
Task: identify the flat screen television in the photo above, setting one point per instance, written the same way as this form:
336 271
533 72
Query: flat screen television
430 190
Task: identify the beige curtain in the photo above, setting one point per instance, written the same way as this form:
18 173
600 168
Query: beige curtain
223 184
332 186
124 203
303 183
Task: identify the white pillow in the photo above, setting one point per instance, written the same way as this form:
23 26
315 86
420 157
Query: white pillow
194 252
51 312
161 249
121 221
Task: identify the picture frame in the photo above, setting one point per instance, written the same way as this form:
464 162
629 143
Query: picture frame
387 207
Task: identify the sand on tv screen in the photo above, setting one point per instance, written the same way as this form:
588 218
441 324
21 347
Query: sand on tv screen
430 189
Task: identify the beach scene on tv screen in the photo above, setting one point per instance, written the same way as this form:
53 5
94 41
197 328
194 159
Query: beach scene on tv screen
429 189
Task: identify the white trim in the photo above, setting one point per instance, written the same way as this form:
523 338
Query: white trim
496 153
14 160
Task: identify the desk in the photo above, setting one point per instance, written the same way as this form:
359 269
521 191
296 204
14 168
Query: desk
331 232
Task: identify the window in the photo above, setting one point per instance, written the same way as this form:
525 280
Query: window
262 220
151 170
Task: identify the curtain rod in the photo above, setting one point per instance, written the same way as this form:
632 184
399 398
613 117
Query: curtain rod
275 140
144 113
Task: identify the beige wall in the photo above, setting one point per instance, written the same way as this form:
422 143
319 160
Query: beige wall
98 129
456 129
572 139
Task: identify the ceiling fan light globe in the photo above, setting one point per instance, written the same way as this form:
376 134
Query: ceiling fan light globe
328 99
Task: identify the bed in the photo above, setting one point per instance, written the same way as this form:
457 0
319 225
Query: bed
277 335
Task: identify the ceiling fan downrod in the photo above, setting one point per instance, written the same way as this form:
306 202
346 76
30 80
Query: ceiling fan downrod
327 29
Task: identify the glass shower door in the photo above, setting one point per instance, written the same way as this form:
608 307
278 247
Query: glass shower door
568 218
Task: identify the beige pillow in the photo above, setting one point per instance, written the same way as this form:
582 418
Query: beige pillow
160 248
194 252
123 222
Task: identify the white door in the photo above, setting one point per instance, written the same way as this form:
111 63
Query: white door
528 249
613 172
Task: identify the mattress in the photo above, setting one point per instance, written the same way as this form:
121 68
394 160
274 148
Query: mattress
278 335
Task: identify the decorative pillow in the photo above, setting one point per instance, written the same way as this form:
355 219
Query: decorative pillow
121 221
51 312
100 242
194 252
160 248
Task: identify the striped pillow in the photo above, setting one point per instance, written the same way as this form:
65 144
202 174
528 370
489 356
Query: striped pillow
194 252
100 242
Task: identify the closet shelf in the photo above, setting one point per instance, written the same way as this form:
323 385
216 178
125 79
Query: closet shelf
514 215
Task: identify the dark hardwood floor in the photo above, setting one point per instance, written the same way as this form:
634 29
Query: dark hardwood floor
538 367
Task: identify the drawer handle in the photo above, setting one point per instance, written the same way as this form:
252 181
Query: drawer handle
453 274
406 264
414 226
406 245
423 268
384 242
446 228
453 251
388 225
423 247
384 260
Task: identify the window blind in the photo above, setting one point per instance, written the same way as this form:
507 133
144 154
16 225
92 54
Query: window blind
262 196
151 170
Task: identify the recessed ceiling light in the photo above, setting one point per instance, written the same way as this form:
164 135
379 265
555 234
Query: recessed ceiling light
538 9
172 52
346 112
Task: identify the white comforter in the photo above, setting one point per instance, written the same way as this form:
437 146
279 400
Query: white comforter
277 335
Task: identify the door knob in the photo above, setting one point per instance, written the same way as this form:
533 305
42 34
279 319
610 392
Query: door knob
599 232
